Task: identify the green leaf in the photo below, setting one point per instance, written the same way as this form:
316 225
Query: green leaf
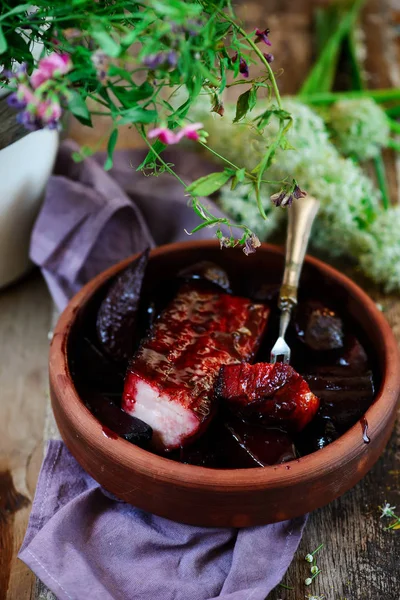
77 106
133 95
222 29
110 149
15 11
3 41
114 70
152 156
106 43
136 114
209 184
246 102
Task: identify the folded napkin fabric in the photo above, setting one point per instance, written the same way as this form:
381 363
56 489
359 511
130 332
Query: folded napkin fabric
82 542
86 545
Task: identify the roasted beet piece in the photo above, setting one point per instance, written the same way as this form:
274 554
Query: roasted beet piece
318 434
96 370
344 397
235 444
257 446
170 381
274 393
117 421
319 327
116 319
209 272
354 356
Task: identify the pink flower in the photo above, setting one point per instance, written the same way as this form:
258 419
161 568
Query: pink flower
190 131
49 111
25 94
53 65
165 135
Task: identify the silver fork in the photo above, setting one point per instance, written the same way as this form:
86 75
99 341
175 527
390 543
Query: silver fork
301 216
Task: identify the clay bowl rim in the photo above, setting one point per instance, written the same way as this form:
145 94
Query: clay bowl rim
310 467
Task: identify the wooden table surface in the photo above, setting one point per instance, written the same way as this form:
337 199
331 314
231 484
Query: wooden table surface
359 559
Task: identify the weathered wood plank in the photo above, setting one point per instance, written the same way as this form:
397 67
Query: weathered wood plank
25 311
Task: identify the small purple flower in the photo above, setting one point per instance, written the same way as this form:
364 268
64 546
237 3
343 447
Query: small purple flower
269 57
15 102
298 193
251 244
172 58
100 62
29 121
153 61
224 242
243 66
285 198
262 36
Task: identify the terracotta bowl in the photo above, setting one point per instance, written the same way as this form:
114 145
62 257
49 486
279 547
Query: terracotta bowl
239 497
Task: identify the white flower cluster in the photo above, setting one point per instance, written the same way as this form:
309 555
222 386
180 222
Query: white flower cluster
359 127
351 220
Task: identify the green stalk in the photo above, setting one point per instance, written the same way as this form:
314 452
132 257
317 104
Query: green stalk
394 145
393 111
394 125
379 165
330 49
257 51
326 23
326 98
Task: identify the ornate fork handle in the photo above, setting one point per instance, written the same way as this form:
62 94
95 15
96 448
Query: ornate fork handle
301 216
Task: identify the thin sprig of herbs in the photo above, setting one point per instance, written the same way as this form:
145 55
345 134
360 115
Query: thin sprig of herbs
127 59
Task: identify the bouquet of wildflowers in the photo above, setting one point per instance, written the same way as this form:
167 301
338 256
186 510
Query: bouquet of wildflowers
127 60
333 137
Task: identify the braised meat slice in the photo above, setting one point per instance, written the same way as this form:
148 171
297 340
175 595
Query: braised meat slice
273 393
170 381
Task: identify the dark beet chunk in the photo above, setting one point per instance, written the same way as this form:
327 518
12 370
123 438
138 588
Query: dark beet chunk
116 319
96 370
354 356
318 434
257 446
344 398
236 444
207 271
319 327
119 422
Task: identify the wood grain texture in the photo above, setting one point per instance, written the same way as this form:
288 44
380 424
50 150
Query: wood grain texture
24 323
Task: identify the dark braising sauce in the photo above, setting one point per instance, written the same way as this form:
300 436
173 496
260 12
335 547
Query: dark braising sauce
328 350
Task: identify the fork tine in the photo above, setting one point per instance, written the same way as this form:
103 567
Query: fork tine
280 349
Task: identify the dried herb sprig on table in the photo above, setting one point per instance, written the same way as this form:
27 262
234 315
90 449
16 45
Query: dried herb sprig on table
125 60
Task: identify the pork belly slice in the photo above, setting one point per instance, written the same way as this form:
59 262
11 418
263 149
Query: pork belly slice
272 393
170 381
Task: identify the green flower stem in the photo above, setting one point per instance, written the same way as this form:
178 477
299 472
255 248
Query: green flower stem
259 203
331 97
379 166
228 162
256 50
231 164
393 111
394 125
394 145
167 167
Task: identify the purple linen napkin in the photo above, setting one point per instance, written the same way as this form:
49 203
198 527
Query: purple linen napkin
83 543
